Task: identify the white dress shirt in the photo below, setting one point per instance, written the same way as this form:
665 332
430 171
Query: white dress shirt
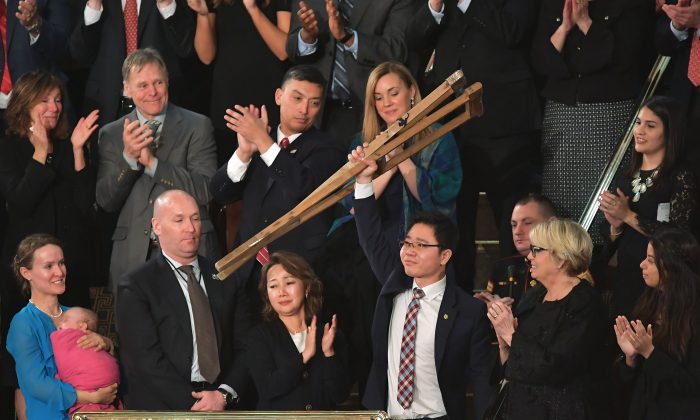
91 15
427 398
462 5
236 169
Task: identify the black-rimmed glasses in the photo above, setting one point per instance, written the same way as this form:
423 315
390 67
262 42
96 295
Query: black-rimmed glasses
416 245
534 249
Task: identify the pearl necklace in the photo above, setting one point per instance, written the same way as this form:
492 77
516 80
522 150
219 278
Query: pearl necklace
639 187
60 310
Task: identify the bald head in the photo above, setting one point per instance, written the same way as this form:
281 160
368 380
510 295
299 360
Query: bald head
176 222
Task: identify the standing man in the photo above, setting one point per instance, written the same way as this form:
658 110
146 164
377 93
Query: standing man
156 147
110 30
489 41
273 176
430 338
345 40
181 330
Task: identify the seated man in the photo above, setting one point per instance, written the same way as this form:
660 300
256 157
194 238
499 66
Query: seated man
430 338
510 276
181 329
85 369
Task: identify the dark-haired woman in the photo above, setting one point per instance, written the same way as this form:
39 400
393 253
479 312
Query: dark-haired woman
656 190
47 185
244 41
662 343
295 364
40 268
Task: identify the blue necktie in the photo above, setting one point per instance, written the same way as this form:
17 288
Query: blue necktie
340 87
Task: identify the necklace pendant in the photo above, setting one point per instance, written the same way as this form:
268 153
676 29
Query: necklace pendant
636 197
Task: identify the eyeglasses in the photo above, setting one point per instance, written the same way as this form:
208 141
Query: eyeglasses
535 249
416 245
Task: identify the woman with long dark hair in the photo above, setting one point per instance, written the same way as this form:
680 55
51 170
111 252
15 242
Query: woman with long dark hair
656 189
662 345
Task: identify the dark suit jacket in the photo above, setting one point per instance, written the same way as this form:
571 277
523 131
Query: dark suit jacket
677 84
101 46
156 336
462 333
380 26
50 47
284 382
270 192
186 161
490 44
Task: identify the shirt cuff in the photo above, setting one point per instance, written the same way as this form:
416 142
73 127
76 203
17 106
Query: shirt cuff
230 390
304 48
91 15
680 34
133 163
437 15
235 168
363 190
168 10
353 48
271 154
151 170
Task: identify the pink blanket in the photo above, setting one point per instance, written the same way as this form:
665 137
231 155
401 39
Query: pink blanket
85 369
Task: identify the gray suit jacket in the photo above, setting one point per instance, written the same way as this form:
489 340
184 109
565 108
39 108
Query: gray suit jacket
186 161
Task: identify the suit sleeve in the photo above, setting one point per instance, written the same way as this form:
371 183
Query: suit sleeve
114 176
84 41
241 320
389 43
373 243
141 348
179 28
666 42
53 38
201 163
225 191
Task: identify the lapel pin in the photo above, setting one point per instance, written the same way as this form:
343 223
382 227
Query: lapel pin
445 316
292 151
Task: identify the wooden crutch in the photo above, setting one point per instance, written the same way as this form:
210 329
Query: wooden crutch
338 185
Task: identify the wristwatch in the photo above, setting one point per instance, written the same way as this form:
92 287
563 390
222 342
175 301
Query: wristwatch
349 33
228 397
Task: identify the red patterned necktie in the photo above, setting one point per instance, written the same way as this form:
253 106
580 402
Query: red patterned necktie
694 61
263 256
407 363
284 143
131 25
6 86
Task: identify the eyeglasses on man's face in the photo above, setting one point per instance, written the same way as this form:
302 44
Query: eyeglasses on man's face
416 245
534 249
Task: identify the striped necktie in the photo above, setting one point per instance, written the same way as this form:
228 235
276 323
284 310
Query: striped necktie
407 365
340 87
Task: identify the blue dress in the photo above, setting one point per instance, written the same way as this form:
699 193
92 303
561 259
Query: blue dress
28 341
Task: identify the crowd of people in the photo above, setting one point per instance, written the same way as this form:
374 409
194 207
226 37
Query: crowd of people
127 125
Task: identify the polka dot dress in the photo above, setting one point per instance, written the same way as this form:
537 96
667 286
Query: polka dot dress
577 143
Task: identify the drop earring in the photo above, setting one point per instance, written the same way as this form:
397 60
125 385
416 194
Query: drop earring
413 102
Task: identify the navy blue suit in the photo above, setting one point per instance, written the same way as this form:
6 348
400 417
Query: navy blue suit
462 336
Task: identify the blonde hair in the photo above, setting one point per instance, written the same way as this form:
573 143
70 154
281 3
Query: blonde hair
373 123
567 242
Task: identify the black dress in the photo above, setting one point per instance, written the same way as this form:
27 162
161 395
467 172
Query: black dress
665 388
555 357
51 198
284 382
245 71
680 191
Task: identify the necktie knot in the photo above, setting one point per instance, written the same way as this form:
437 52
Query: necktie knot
188 270
284 143
418 293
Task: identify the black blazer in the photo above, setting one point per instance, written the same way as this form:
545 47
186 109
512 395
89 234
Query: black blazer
270 192
606 64
156 336
462 333
101 46
489 43
284 382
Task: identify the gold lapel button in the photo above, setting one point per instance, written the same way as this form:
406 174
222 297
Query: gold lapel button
445 316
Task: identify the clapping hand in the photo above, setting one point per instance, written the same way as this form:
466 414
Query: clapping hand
328 338
685 14
641 338
335 22
309 23
84 129
26 13
621 326
136 137
615 207
310 343
502 320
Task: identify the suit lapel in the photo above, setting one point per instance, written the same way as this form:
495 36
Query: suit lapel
296 150
358 11
144 14
446 317
171 127
173 294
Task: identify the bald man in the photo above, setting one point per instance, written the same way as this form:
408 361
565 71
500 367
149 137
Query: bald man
180 328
